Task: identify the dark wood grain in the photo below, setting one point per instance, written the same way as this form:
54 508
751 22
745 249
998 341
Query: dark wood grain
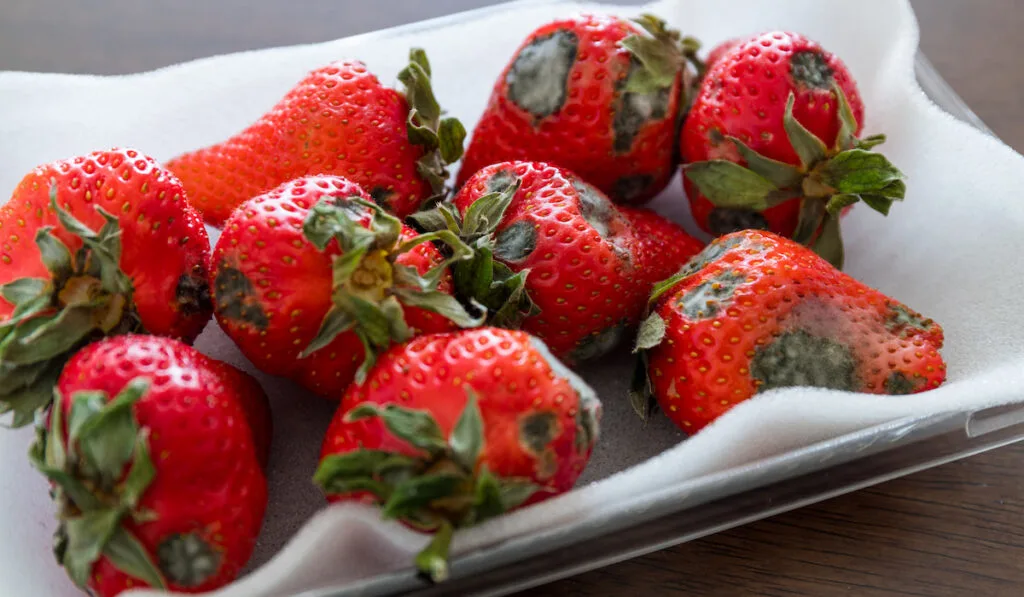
954 530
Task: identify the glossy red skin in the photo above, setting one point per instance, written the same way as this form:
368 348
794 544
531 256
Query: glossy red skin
255 403
291 281
162 236
720 50
511 379
582 283
208 480
338 120
663 245
702 367
751 79
580 136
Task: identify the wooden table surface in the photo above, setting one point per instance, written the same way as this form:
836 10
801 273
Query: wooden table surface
953 530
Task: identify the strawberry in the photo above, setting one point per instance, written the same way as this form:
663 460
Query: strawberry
771 143
663 247
94 245
452 429
338 120
153 469
755 311
720 50
593 94
553 256
312 279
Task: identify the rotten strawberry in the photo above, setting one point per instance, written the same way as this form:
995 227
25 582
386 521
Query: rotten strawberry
598 95
553 256
772 142
95 245
312 279
755 311
452 429
153 468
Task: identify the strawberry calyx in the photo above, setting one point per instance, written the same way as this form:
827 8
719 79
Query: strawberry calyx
441 138
826 181
86 296
369 288
483 279
94 492
663 54
443 488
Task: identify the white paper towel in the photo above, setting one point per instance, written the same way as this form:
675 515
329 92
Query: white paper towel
950 250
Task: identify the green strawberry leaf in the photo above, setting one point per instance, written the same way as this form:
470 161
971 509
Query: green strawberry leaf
727 184
641 393
651 333
451 137
484 214
346 264
868 143
432 562
57 336
418 492
24 401
444 216
857 171
780 174
416 427
878 203
829 243
806 144
809 221
54 254
659 53
508 292
87 535
515 492
847 136
107 438
335 322
141 474
441 303
128 555
467 438
836 203
26 290
487 499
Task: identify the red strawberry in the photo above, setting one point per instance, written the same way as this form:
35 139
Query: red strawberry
563 256
771 142
452 429
662 245
593 94
254 402
338 120
719 51
153 468
310 277
755 311
91 246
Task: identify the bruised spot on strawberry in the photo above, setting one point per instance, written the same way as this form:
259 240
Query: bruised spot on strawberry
595 208
629 188
709 255
901 318
588 416
193 293
236 300
536 432
899 384
811 69
725 220
598 344
633 110
500 181
539 75
516 242
797 358
707 299
187 559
